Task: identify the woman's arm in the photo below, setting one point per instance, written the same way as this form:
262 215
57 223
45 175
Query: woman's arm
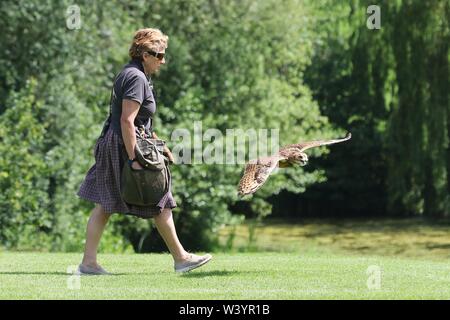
167 152
154 136
130 109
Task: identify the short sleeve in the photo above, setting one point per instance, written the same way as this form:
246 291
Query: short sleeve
134 89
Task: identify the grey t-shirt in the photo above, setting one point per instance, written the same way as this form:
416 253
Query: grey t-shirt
132 83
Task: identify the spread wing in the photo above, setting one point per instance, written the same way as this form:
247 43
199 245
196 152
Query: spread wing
258 171
311 144
256 174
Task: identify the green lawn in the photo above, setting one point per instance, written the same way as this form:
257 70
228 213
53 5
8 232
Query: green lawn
307 275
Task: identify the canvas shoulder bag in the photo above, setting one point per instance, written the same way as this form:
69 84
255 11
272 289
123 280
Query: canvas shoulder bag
147 186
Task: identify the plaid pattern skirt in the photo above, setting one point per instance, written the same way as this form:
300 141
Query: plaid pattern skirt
102 182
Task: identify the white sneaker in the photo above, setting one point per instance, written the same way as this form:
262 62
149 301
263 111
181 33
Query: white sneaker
86 270
193 262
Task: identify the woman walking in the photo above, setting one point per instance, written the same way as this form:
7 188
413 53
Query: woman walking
132 105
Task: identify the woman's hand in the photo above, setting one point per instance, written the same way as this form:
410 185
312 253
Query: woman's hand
169 155
166 151
136 166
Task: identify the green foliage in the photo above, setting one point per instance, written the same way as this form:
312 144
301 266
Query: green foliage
24 200
49 126
225 74
419 128
346 77
231 65
390 88
246 75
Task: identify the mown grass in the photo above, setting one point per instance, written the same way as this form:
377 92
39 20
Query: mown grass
306 275
284 260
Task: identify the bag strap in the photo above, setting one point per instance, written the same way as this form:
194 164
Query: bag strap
108 120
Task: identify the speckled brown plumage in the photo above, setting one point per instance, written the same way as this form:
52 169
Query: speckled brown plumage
258 171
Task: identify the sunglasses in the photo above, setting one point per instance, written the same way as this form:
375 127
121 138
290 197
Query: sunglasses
157 55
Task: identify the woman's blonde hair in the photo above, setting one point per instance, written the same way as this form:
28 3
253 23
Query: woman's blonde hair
147 39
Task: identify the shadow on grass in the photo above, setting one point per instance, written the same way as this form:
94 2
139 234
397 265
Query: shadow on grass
213 274
59 274
36 273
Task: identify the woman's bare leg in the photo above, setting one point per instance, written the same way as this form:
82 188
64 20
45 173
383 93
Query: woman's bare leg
166 228
94 230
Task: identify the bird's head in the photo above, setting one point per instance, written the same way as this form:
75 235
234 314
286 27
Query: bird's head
301 158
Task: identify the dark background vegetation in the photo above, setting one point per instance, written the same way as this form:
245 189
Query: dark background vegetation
312 69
